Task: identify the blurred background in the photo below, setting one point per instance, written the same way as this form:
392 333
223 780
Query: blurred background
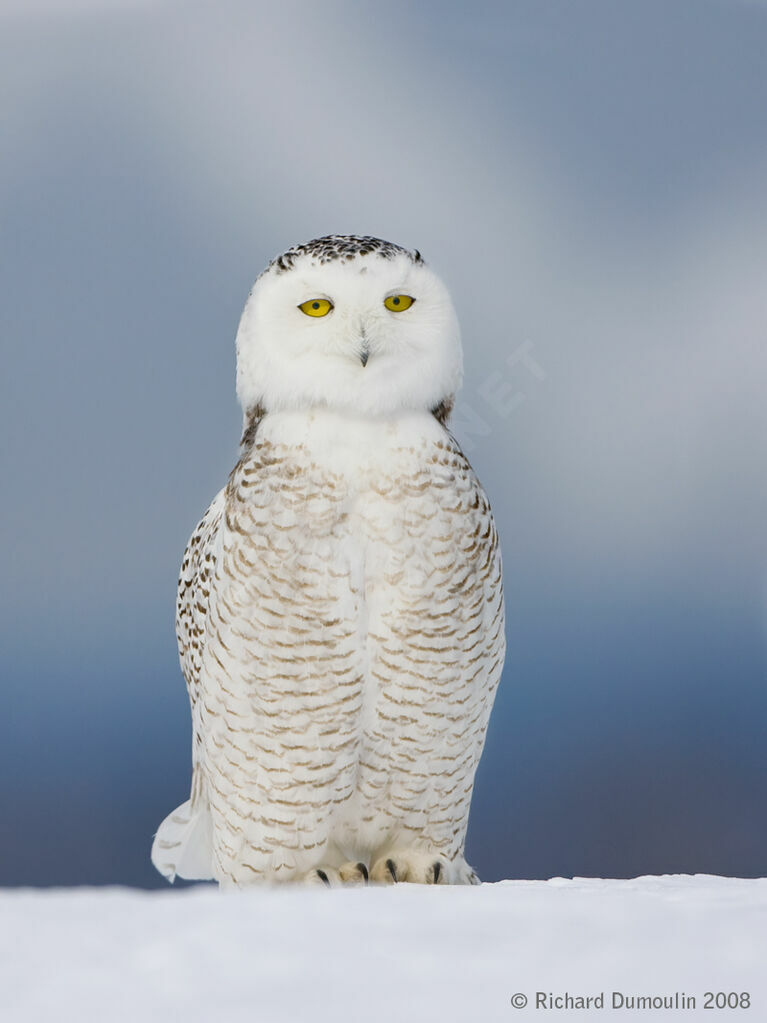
590 178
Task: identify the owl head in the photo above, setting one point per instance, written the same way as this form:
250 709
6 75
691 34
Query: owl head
349 323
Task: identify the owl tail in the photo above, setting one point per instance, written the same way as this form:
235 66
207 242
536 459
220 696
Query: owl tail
183 845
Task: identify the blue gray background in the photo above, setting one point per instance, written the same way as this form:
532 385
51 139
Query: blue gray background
589 177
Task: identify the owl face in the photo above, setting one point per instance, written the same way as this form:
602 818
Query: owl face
345 324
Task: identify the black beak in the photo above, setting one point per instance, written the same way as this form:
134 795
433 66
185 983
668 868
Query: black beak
364 353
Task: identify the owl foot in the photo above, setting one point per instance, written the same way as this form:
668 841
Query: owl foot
334 877
413 866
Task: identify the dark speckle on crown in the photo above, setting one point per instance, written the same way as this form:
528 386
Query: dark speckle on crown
340 247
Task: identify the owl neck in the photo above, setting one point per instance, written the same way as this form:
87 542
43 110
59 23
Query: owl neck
253 416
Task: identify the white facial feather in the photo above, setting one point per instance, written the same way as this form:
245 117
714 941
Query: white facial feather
288 360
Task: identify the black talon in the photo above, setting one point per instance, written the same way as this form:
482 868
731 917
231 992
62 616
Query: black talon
323 877
363 870
392 869
437 871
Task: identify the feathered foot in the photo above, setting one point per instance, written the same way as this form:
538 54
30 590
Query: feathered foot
413 866
334 877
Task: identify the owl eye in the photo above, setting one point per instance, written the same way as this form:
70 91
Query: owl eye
398 303
316 307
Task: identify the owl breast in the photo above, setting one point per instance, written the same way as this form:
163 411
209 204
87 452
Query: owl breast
354 644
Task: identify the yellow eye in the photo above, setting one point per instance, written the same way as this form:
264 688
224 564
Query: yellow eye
398 303
316 307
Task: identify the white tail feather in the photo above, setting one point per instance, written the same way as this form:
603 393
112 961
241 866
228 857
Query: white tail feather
183 845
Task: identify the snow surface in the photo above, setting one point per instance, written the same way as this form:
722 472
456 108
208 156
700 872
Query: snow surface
405 953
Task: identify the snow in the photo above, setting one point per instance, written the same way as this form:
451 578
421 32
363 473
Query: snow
403 953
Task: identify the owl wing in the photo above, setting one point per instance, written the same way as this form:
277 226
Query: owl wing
183 843
194 588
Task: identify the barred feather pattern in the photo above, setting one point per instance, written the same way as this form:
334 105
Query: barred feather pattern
341 631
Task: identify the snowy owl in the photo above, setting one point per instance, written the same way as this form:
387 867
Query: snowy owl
340 612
